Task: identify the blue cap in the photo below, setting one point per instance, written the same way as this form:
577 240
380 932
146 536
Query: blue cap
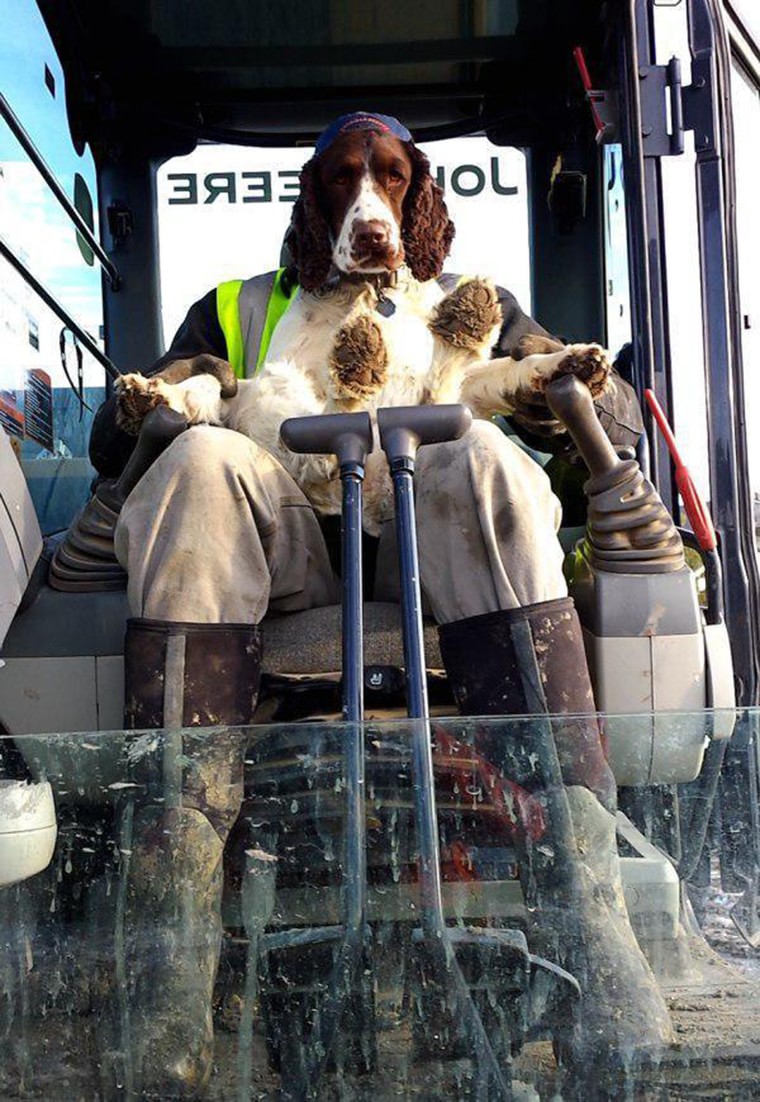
361 120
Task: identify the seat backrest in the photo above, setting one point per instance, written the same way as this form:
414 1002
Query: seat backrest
20 536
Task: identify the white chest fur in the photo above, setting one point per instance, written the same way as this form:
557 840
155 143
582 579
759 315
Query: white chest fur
337 351
296 377
306 335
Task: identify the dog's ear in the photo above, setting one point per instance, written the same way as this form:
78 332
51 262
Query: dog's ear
426 229
309 234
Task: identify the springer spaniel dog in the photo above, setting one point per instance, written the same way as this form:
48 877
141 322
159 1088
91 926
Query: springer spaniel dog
370 325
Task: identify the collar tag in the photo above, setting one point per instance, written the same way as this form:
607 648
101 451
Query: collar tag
385 307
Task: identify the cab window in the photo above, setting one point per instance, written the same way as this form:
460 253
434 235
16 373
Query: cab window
47 381
745 91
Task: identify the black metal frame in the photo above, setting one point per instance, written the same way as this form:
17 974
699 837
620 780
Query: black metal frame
649 320
26 143
110 270
707 110
740 778
730 498
53 304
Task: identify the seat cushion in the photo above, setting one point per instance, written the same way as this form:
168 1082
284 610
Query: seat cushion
310 642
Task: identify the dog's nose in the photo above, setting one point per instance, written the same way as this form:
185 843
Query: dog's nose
370 235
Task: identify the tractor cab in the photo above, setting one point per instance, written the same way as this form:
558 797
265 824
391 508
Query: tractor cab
596 160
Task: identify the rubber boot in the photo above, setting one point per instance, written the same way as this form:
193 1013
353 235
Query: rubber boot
531 661
181 675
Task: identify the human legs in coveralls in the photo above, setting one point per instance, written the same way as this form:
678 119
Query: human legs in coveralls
215 537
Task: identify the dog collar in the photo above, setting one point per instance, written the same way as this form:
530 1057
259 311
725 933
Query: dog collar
379 282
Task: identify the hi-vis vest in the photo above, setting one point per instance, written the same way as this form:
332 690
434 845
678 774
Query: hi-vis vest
249 310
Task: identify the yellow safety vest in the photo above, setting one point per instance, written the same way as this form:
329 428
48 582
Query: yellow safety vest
248 311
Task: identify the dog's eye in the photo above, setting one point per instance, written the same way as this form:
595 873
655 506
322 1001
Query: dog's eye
396 176
343 176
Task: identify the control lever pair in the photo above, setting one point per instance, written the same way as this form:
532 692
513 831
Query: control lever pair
349 437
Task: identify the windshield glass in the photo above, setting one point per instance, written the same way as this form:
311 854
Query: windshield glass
135 904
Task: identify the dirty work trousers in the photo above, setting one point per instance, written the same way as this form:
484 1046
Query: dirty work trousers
218 532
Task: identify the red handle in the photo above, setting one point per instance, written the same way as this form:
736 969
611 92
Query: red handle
580 61
696 510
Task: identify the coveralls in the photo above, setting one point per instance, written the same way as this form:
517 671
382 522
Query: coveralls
487 518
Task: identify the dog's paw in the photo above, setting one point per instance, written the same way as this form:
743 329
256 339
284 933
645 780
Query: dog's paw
137 397
359 360
468 316
588 362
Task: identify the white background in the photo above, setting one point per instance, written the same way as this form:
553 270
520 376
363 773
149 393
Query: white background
205 243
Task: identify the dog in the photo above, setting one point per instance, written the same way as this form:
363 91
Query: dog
370 325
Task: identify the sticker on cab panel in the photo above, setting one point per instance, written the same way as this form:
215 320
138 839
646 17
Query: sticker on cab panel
38 408
11 415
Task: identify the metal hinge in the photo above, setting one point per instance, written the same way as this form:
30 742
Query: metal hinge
120 222
691 108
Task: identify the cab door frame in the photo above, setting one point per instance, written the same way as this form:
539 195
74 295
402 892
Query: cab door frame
650 133
706 108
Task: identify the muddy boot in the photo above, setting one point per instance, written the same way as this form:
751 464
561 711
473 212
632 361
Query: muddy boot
531 661
623 1016
181 675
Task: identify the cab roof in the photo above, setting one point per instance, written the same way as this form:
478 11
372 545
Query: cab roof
159 77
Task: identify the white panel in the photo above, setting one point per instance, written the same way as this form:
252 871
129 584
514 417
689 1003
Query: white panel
27 830
20 538
40 695
12 574
622 672
721 693
679 687
622 676
51 695
636 676
679 746
19 503
110 671
650 885
678 662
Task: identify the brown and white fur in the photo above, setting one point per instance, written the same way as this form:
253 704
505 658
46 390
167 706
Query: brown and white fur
370 224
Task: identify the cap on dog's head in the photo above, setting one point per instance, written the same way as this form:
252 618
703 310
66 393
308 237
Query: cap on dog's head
361 120
368 204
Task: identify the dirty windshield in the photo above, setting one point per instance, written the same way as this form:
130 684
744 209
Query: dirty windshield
514 965
374 725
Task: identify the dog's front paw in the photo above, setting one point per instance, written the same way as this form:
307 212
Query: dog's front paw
469 315
588 362
137 397
359 360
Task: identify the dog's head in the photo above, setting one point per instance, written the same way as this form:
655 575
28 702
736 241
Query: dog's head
368 204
